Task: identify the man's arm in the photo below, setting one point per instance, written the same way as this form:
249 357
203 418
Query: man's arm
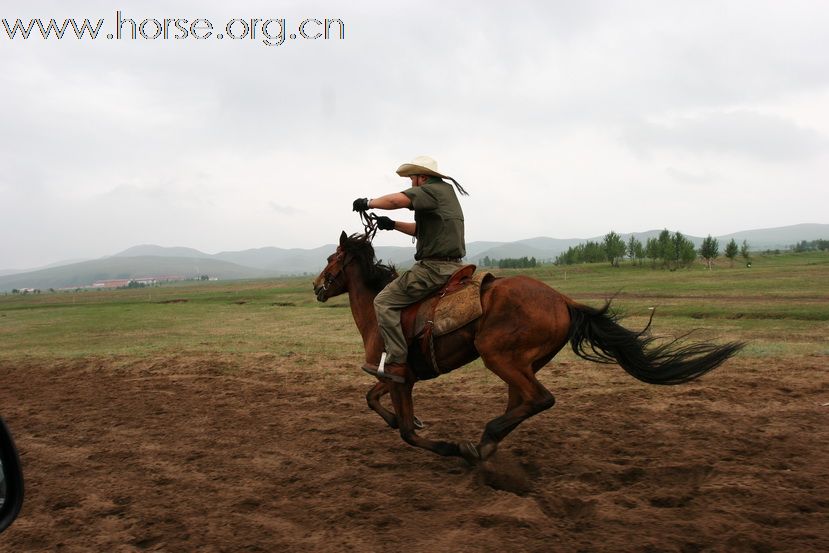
398 200
405 228
385 223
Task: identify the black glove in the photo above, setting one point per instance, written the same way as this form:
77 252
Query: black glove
361 204
384 223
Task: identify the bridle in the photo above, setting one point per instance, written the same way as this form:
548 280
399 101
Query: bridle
328 280
370 226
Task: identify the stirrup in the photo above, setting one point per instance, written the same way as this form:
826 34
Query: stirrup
380 373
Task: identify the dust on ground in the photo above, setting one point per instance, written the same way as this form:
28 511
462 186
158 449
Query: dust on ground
264 453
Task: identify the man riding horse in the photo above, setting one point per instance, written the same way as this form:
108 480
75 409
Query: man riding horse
522 325
439 229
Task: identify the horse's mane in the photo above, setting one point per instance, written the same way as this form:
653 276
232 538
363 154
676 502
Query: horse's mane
376 274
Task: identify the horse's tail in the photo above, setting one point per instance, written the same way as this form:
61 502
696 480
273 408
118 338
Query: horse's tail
596 336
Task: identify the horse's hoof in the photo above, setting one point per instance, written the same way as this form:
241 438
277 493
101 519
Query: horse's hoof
470 453
487 450
418 424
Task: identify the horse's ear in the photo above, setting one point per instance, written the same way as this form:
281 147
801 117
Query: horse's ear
343 239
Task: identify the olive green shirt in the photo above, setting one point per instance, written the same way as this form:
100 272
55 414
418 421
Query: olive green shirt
439 220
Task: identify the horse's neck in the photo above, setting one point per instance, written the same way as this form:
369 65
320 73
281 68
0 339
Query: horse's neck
361 300
362 309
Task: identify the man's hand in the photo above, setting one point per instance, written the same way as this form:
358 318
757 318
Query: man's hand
384 223
361 204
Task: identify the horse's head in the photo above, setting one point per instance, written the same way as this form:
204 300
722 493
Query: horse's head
334 278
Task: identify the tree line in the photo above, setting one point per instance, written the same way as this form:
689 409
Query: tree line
811 245
669 250
509 262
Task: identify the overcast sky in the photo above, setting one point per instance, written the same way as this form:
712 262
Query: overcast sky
562 119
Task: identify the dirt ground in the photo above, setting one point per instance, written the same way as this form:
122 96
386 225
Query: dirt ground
267 453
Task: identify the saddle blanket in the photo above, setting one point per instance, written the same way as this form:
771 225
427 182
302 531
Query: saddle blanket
454 309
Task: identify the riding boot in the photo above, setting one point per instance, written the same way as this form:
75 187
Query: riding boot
396 372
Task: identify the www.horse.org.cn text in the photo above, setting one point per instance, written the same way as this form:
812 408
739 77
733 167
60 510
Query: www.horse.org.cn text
268 31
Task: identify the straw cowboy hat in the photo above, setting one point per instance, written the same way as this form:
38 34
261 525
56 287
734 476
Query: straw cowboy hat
424 165
421 165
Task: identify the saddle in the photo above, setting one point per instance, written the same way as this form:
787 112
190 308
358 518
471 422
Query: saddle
456 304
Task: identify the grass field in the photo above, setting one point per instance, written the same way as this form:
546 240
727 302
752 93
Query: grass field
780 306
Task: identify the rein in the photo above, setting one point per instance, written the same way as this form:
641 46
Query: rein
369 221
369 225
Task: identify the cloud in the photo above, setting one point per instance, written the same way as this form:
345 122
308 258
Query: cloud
691 177
285 209
214 144
742 133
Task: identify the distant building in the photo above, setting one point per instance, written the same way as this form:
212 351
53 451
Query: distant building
146 281
114 283
169 278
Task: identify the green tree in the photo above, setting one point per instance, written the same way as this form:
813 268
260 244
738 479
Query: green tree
634 248
667 251
565 258
594 252
614 247
589 252
639 252
686 253
744 252
709 250
731 250
517 263
652 250
676 250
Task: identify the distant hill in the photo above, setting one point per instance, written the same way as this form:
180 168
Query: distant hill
5 272
778 238
277 259
294 261
87 272
150 250
151 261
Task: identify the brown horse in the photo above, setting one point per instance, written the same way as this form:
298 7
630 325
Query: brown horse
525 323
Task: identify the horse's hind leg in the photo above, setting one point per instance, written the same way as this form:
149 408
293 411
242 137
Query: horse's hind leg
514 399
527 397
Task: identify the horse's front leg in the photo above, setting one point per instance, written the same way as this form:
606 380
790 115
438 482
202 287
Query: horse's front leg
373 399
401 396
